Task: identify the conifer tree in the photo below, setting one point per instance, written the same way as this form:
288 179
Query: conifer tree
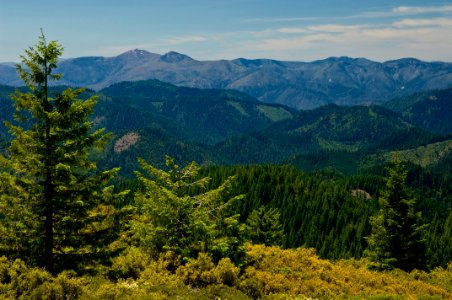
397 237
54 204
264 227
176 213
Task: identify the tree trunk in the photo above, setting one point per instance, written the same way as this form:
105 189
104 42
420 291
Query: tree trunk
48 185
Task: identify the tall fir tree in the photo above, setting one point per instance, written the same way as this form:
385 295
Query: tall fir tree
176 213
54 204
397 237
264 227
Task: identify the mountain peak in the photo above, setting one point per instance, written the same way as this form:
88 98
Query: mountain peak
346 59
255 62
174 57
136 53
406 61
140 52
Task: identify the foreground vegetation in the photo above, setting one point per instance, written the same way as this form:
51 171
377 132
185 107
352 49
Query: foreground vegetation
269 273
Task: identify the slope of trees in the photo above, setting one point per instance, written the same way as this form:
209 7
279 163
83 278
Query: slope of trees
225 127
313 212
320 211
428 110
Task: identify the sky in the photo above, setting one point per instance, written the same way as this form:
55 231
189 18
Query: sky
293 30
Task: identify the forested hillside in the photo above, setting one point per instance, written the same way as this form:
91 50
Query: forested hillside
200 116
429 110
149 118
331 213
7 108
331 129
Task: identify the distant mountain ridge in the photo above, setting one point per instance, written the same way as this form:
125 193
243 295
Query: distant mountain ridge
301 85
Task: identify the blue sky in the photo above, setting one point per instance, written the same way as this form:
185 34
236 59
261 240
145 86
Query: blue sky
210 29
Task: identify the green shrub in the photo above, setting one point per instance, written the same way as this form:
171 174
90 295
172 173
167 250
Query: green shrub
252 287
23 280
198 272
129 264
226 272
202 272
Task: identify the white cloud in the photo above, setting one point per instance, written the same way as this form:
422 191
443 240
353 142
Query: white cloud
159 46
416 10
404 11
292 30
280 20
399 35
186 39
338 28
438 22
406 33
422 38
395 12
299 43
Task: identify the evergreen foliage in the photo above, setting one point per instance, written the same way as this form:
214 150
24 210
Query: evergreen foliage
428 109
196 115
397 238
264 227
54 205
314 212
176 213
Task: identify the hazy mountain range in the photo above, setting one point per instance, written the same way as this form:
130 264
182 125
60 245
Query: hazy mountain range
301 85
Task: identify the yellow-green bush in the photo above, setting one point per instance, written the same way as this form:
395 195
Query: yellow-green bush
301 272
129 264
202 272
17 281
269 273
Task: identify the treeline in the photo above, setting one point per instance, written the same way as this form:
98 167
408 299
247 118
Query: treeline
320 210
314 212
330 212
